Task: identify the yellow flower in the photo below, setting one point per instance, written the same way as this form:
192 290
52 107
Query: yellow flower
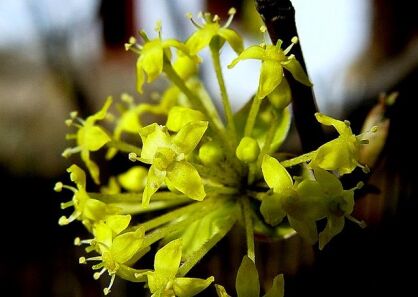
118 250
86 209
210 29
274 59
151 56
90 138
340 154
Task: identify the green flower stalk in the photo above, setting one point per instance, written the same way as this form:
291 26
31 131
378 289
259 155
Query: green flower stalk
196 176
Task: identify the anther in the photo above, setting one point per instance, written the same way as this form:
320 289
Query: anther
232 11
63 221
133 157
107 290
58 187
216 18
132 40
127 98
82 260
263 29
77 241
74 114
158 27
68 122
374 129
294 39
97 275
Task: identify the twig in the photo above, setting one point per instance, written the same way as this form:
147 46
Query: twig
279 18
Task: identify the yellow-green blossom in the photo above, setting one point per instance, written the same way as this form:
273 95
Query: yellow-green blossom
210 29
118 250
86 209
274 59
163 282
302 210
167 156
151 57
340 154
90 138
338 202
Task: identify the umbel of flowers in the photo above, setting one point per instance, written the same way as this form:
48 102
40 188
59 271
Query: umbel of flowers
203 173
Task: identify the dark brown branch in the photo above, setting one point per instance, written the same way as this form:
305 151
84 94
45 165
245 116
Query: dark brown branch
279 18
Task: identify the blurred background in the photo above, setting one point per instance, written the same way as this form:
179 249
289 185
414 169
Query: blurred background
59 56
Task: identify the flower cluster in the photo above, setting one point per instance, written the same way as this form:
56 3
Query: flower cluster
202 173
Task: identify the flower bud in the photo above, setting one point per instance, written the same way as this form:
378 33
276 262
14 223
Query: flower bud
247 150
210 153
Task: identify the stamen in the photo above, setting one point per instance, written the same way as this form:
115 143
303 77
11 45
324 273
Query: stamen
72 189
91 248
97 266
74 114
79 242
97 258
207 17
65 221
132 40
58 187
362 224
133 157
67 204
144 35
68 122
158 28
107 290
189 15
364 168
127 98
232 11
97 275
71 150
294 40
70 136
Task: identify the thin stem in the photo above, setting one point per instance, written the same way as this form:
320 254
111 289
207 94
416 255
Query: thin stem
164 231
134 197
205 248
224 95
279 18
196 101
213 116
299 159
136 208
172 215
252 116
249 228
124 147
